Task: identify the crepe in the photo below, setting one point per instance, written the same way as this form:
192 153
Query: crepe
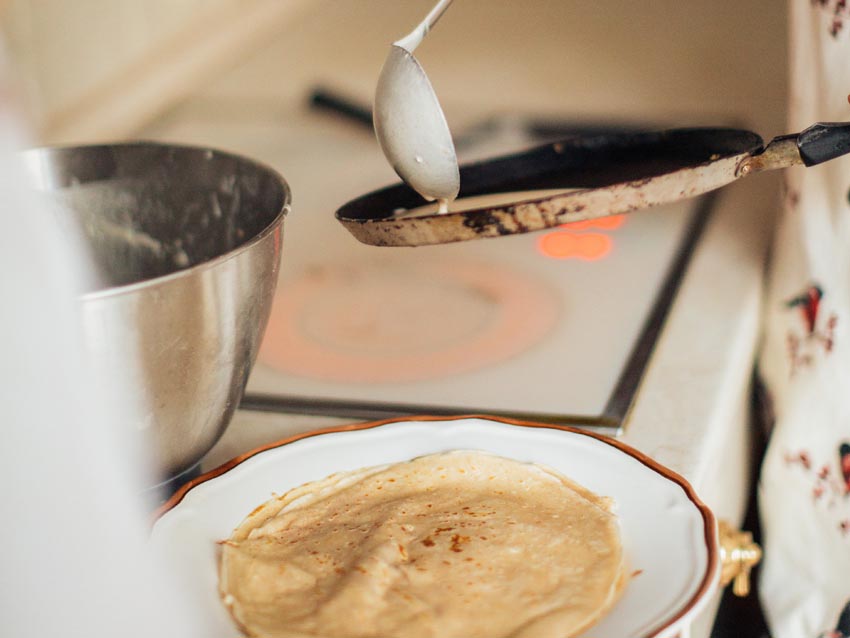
459 544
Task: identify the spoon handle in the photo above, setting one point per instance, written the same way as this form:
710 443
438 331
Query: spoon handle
415 37
435 14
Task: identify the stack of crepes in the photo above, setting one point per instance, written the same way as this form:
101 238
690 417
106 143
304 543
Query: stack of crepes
458 544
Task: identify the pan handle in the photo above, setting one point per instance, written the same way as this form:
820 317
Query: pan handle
824 141
819 143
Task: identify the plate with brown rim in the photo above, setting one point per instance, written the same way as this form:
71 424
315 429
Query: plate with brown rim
669 536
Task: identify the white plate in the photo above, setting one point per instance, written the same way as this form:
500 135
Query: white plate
669 536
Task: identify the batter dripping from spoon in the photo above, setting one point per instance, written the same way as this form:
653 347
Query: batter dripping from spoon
409 122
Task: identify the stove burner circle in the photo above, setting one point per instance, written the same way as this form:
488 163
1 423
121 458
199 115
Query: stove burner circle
390 322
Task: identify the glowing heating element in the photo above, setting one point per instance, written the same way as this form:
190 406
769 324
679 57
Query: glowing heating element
385 322
566 243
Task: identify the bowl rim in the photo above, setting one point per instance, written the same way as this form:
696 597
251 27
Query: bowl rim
710 532
285 207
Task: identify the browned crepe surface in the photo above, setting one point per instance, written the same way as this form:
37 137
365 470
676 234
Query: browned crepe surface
461 544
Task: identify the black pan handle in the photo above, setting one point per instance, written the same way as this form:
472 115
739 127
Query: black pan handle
337 104
819 143
824 141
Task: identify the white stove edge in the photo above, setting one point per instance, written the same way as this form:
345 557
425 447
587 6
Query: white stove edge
708 350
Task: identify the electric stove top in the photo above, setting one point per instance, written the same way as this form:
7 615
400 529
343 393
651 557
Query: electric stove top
555 326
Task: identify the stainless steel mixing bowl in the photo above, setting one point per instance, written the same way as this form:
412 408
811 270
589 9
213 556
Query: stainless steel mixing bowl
186 246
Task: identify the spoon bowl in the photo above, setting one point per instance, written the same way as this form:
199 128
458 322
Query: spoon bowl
409 121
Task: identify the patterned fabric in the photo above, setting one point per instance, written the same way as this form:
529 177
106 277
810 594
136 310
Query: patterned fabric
805 482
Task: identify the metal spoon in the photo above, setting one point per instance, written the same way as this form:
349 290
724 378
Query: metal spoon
409 122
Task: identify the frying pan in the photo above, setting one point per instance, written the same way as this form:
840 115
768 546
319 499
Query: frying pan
592 176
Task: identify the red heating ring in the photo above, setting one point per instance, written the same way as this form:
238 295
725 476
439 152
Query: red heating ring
386 323
571 241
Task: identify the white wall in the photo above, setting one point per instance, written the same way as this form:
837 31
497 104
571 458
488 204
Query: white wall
97 69
102 67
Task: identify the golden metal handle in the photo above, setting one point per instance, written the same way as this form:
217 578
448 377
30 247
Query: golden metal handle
738 555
